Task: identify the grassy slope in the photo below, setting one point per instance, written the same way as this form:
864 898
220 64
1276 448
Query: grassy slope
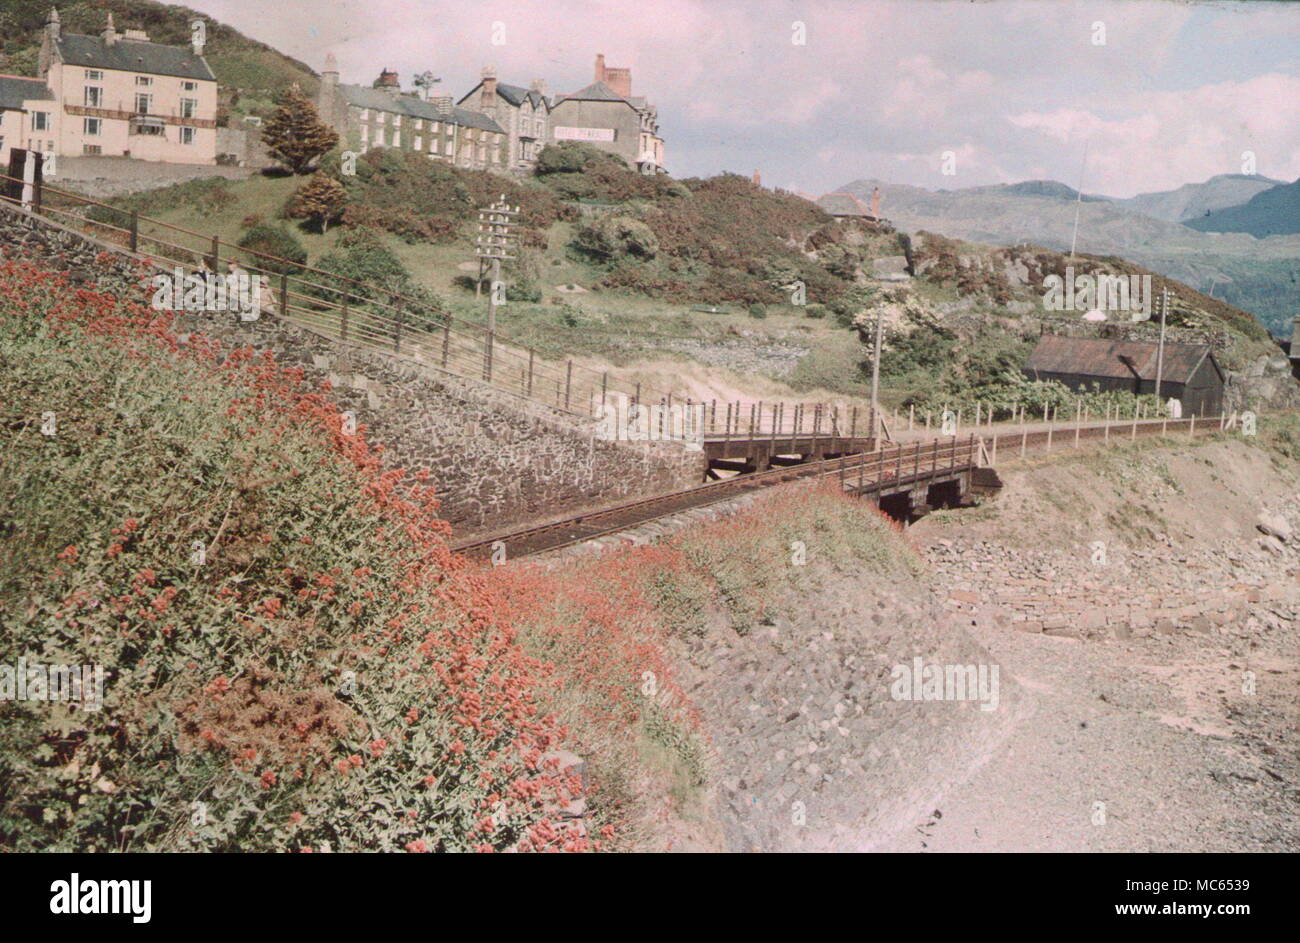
664 341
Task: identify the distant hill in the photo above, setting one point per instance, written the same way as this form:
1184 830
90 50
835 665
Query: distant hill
1194 200
1259 275
1273 212
250 73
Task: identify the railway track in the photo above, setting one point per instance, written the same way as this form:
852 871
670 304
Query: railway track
862 473
872 468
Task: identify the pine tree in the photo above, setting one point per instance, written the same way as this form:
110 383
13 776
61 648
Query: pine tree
321 199
295 135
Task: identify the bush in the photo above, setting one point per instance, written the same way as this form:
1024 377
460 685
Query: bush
611 238
814 310
757 310
275 241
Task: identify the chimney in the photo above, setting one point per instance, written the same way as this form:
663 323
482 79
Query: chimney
109 35
757 178
619 81
488 100
442 103
388 81
49 40
330 73
198 36
600 68
136 35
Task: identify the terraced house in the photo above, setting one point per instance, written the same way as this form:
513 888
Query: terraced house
385 116
524 114
118 95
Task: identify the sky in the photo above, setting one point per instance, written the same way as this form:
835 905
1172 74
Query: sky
1126 97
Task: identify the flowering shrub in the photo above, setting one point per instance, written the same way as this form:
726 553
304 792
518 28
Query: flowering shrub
294 659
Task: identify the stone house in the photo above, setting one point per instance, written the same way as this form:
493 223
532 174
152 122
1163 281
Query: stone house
524 114
607 115
385 116
119 95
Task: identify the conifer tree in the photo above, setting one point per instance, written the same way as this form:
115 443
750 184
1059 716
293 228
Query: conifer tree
295 135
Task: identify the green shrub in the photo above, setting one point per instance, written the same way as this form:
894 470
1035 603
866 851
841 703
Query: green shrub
275 241
757 310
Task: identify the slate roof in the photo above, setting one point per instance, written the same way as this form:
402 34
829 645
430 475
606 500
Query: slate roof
1101 357
842 204
595 92
516 95
380 100
15 89
131 55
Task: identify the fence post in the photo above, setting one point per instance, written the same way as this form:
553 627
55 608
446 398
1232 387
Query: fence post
397 335
604 385
489 340
530 373
568 382
215 257
1191 427
344 333
446 339
284 295
135 231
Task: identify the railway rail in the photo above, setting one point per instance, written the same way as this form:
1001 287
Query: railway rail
895 468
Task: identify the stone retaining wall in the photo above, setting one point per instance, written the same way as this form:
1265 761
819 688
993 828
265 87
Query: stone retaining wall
497 460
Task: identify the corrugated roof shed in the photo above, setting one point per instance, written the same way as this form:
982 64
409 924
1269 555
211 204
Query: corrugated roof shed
15 89
131 55
1101 357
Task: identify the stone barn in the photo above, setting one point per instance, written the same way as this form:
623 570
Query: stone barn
1189 373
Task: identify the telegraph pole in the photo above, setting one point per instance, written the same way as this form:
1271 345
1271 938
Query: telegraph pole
1160 351
493 244
875 376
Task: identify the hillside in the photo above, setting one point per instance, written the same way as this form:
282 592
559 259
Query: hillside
1194 200
1273 212
251 74
690 284
1256 274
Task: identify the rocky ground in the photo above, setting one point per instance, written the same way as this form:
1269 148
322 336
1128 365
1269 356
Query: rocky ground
1148 700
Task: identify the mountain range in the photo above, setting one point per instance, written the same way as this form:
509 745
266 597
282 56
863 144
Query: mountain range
1251 260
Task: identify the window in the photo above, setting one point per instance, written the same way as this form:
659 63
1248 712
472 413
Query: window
94 75
396 140
435 127
383 117
365 114
143 103
94 96
92 127
397 121
92 150
40 121
419 124
189 107
365 134
189 86
419 143
187 135
143 81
